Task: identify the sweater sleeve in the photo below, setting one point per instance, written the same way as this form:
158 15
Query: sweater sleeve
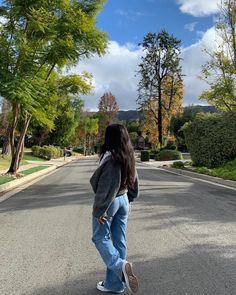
133 192
107 188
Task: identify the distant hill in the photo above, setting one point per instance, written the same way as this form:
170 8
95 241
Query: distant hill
134 115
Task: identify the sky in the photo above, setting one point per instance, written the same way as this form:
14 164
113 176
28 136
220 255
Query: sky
127 22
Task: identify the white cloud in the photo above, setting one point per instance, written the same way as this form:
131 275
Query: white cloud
115 72
190 27
199 7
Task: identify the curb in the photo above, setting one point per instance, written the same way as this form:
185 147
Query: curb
229 183
203 177
4 188
17 182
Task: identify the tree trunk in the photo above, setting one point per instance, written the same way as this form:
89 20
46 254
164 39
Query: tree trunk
17 154
6 148
160 139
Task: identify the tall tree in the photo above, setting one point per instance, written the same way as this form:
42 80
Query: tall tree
161 60
37 38
220 71
5 125
107 111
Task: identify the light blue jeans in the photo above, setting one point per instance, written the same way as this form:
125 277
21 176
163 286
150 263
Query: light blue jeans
110 241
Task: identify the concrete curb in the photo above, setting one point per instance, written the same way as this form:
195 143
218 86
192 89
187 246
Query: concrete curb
195 175
20 181
229 183
4 188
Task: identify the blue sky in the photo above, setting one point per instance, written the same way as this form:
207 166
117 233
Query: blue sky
127 22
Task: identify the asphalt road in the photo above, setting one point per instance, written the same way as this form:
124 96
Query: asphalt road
181 236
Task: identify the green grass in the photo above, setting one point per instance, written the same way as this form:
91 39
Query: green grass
5 179
29 157
5 160
33 169
227 171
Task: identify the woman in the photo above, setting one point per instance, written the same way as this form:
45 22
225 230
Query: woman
115 184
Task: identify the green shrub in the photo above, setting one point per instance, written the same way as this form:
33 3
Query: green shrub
178 164
36 150
145 156
171 145
152 156
47 152
211 139
168 155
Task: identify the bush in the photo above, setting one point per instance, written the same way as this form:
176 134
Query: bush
211 139
168 155
47 152
36 150
171 145
178 165
145 156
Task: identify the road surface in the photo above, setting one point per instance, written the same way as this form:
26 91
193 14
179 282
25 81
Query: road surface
181 236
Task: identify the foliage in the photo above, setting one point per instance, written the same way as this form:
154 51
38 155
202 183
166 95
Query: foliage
211 139
160 87
47 152
178 165
107 111
168 155
177 122
220 71
227 171
38 40
145 156
86 132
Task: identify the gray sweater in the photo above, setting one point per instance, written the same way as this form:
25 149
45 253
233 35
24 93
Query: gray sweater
106 182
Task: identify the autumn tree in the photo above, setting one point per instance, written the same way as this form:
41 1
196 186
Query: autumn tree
107 111
220 71
160 76
37 40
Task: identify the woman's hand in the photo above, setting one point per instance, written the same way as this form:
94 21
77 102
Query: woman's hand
101 219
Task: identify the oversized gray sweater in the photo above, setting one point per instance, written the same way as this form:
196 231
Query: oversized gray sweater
106 182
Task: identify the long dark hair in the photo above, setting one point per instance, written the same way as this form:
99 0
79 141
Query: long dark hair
117 141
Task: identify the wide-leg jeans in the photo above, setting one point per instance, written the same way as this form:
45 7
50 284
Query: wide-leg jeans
110 240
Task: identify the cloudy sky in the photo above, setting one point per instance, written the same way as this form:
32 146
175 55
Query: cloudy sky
127 22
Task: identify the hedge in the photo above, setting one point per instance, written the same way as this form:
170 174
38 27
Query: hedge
168 155
145 156
47 152
211 139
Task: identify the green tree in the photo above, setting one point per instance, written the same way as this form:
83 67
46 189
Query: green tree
177 122
161 60
37 39
87 131
220 71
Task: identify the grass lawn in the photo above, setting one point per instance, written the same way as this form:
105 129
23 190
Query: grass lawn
5 160
33 169
227 171
29 157
5 179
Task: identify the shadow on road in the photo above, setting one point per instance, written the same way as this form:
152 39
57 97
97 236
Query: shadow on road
178 275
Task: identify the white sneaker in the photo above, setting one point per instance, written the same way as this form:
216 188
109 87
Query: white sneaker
130 279
100 287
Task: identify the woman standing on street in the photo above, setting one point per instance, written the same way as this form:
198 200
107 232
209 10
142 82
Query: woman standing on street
115 184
